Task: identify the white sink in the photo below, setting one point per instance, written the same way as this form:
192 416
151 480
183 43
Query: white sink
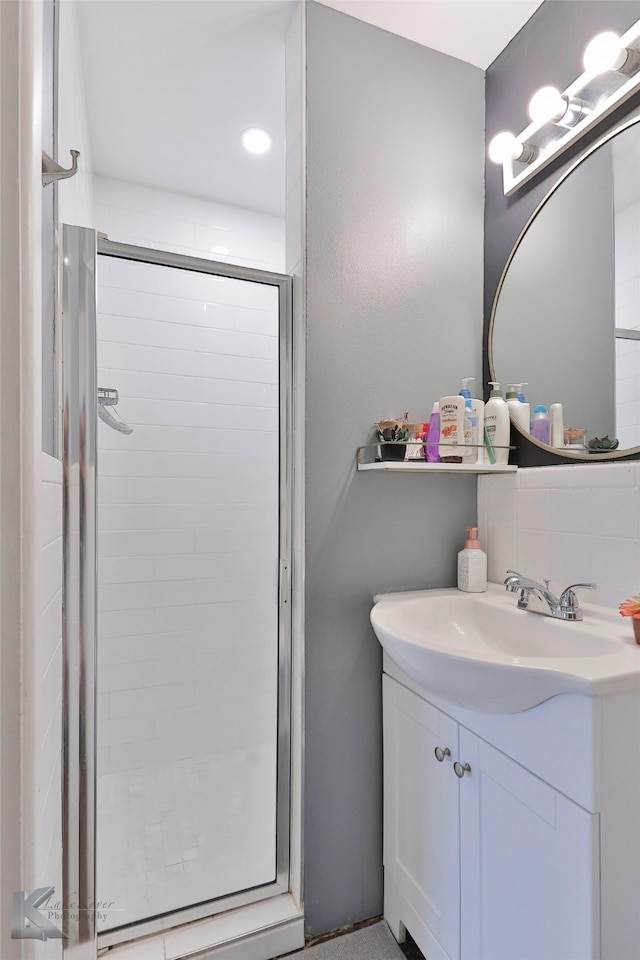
479 651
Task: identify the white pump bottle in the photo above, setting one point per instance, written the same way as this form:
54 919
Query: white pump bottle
496 423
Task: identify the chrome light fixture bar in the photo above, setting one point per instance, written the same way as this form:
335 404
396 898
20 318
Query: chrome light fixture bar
611 76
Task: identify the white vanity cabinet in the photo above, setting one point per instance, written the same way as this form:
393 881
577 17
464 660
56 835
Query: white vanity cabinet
503 859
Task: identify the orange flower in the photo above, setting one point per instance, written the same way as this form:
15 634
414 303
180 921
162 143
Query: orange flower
630 608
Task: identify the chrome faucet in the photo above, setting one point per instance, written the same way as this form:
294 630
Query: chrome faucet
537 598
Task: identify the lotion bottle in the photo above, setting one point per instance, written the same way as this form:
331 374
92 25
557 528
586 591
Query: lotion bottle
497 424
451 445
472 564
519 411
470 454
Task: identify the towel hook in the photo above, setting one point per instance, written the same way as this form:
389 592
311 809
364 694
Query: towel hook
51 170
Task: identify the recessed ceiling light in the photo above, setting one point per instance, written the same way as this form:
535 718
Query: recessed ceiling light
256 140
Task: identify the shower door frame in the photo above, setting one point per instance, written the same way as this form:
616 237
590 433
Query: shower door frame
79 789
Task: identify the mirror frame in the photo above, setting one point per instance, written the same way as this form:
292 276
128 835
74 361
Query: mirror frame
529 451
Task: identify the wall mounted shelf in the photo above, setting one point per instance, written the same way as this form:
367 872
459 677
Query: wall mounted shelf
421 466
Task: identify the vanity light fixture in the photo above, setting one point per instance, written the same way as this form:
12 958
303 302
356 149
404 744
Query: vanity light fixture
607 51
505 146
611 76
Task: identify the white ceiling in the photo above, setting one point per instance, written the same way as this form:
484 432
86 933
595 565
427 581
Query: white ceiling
171 84
472 30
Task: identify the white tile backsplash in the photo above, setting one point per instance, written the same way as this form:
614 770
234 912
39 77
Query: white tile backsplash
567 523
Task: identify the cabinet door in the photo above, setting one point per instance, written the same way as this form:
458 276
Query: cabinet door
421 822
530 864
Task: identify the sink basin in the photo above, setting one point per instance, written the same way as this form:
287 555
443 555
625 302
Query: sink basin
479 651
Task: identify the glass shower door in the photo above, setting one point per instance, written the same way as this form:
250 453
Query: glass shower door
191 656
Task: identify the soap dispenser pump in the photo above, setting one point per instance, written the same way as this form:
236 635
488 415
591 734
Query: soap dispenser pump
464 390
472 564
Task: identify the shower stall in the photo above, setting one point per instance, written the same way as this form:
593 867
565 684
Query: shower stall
177 461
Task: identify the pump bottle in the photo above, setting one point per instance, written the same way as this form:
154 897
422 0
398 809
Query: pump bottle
519 410
472 564
496 423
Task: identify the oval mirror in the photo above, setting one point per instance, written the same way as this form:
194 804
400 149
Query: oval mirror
566 316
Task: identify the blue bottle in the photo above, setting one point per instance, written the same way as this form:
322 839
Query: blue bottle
540 427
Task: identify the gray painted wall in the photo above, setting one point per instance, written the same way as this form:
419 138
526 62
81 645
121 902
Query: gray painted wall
548 50
395 146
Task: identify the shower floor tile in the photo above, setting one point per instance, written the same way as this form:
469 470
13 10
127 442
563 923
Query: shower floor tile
175 834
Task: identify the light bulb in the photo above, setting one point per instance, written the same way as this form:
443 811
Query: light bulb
504 146
547 104
256 140
604 52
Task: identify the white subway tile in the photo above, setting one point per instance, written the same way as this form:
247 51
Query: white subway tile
533 554
120 193
571 510
147 701
615 566
571 558
614 512
534 509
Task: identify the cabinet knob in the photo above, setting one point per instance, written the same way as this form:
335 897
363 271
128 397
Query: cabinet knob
461 768
442 753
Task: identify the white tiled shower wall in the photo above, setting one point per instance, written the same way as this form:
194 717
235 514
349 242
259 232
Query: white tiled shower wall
199 466
145 216
567 523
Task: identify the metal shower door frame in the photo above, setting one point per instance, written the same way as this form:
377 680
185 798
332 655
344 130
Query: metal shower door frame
80 251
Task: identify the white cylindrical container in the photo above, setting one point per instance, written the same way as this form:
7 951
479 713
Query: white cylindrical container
472 564
557 425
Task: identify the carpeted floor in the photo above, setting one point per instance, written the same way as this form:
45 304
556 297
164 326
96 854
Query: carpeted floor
373 942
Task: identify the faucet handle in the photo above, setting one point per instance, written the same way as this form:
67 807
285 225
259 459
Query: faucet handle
568 599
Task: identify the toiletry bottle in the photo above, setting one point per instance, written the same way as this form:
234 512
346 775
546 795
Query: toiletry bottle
557 425
451 429
425 434
497 426
472 564
433 436
540 424
477 414
518 410
464 390
470 454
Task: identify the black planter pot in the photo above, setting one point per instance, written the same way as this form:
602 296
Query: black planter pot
393 451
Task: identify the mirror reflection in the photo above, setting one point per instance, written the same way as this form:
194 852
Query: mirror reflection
566 319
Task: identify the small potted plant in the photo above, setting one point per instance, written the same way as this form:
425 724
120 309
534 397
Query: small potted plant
393 436
602 445
631 608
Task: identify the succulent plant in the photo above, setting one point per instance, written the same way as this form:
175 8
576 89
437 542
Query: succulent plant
631 607
395 434
603 444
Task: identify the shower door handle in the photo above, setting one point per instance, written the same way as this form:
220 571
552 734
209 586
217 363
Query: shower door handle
284 583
